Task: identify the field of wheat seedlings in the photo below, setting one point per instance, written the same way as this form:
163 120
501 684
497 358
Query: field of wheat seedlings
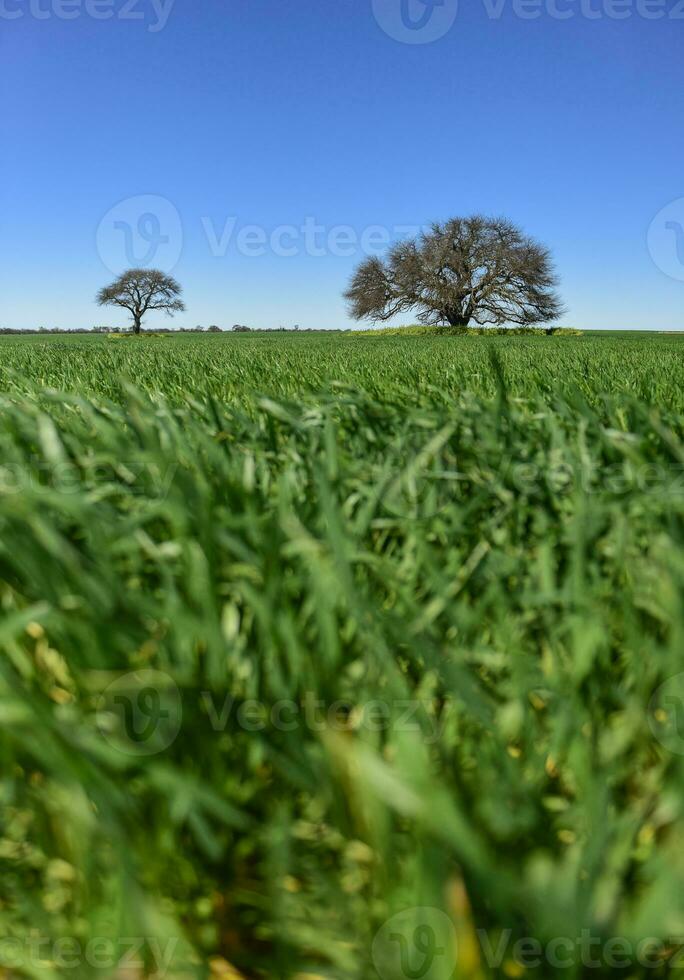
341 657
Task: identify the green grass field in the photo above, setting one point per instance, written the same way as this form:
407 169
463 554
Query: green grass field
342 657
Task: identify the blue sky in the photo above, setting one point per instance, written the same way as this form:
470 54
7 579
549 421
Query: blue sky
240 118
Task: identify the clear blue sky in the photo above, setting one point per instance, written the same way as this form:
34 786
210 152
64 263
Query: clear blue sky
270 112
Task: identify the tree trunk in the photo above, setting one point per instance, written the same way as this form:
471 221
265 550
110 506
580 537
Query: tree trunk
137 320
457 320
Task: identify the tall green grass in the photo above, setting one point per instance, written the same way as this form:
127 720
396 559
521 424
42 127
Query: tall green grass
299 635
232 367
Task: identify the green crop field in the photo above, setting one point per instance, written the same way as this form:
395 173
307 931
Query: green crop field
331 656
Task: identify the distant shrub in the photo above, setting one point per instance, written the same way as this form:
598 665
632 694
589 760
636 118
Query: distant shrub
419 330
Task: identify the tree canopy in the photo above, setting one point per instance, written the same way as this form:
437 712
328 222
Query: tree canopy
142 290
477 269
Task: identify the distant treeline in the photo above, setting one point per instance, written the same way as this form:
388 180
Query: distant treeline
237 328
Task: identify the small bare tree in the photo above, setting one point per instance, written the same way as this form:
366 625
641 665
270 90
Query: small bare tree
141 290
468 269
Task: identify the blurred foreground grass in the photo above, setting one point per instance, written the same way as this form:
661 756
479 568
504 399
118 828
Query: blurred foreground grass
303 635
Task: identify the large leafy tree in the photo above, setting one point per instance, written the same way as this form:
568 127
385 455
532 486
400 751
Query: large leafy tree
478 269
142 290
